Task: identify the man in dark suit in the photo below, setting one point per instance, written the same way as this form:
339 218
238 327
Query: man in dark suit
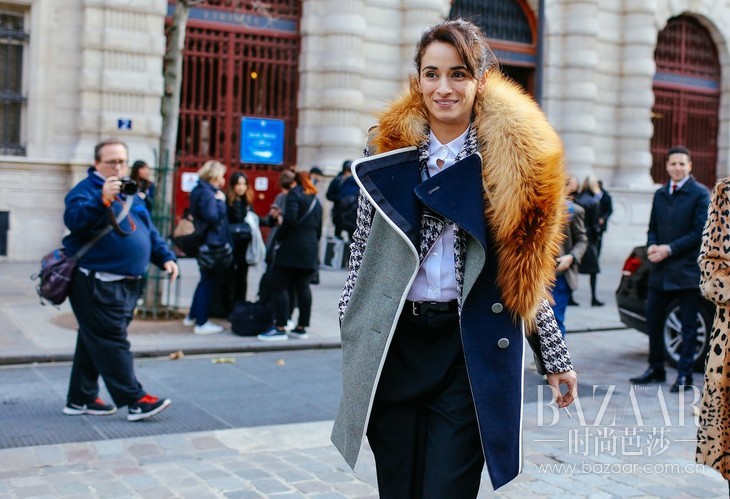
678 216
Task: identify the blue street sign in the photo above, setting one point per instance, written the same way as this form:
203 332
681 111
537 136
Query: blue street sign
124 124
262 141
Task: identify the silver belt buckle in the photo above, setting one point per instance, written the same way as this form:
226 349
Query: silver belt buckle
415 308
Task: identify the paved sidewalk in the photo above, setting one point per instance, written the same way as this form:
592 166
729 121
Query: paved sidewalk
620 442
30 332
641 446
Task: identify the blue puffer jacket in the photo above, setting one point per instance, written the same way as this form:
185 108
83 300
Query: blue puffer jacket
204 206
86 215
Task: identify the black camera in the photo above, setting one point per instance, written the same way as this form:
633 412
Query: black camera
129 186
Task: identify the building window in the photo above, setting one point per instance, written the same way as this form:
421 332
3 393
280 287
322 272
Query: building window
13 41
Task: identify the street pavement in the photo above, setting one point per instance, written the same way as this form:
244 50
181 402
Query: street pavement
621 441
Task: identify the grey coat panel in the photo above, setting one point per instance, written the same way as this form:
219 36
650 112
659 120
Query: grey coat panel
367 329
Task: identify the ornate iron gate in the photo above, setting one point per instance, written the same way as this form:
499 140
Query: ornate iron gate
240 60
686 98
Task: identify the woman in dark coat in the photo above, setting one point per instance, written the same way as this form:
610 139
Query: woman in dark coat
589 200
141 174
208 205
295 257
239 204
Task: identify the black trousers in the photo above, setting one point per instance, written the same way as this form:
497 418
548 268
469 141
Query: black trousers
656 305
423 428
283 281
103 311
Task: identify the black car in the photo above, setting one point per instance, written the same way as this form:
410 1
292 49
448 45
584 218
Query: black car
631 300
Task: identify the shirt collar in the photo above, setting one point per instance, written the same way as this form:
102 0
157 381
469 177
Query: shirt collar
679 184
434 146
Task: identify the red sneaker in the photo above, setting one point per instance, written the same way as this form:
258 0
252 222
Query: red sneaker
146 407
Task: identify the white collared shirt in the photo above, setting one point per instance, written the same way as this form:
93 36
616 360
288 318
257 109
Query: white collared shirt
436 279
679 184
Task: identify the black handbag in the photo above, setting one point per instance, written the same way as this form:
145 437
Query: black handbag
217 258
57 267
240 232
55 276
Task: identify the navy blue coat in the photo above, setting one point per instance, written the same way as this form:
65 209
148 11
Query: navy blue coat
204 206
130 255
492 337
678 220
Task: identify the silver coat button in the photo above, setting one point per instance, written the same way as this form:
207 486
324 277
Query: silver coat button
497 308
503 343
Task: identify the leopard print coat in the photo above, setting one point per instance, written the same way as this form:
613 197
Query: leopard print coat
713 433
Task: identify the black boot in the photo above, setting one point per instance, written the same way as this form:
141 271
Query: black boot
596 303
653 374
682 381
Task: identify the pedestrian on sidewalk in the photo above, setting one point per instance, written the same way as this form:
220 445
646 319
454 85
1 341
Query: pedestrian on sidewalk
142 174
678 215
575 243
295 258
343 192
105 283
208 205
589 199
241 217
440 286
713 438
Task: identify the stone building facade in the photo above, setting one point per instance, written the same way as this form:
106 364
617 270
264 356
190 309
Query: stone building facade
93 68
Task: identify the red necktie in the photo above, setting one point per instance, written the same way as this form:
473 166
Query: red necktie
674 188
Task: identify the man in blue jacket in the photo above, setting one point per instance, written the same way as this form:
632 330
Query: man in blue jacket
104 287
678 216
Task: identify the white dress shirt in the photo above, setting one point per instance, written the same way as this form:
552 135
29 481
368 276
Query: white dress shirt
678 184
436 279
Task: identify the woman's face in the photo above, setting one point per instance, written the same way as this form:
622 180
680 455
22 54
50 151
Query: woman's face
218 182
144 172
448 89
241 187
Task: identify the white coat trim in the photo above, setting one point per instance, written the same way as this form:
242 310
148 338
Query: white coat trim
405 295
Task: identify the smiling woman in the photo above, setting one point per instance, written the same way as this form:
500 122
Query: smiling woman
439 387
449 89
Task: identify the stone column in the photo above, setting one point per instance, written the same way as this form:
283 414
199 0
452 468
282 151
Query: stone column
417 16
122 46
577 123
382 51
331 95
636 96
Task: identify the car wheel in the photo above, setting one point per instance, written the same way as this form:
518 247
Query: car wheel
673 336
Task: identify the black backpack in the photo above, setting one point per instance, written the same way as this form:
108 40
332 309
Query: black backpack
348 213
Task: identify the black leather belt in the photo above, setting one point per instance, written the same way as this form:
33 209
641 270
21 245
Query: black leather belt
435 307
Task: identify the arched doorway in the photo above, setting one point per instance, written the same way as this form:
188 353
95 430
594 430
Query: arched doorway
686 98
511 29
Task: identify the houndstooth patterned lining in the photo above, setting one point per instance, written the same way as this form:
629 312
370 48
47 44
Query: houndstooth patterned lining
553 351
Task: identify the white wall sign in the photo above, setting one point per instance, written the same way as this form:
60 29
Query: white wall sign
188 181
261 183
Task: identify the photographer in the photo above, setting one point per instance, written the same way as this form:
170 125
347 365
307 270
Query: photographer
104 289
